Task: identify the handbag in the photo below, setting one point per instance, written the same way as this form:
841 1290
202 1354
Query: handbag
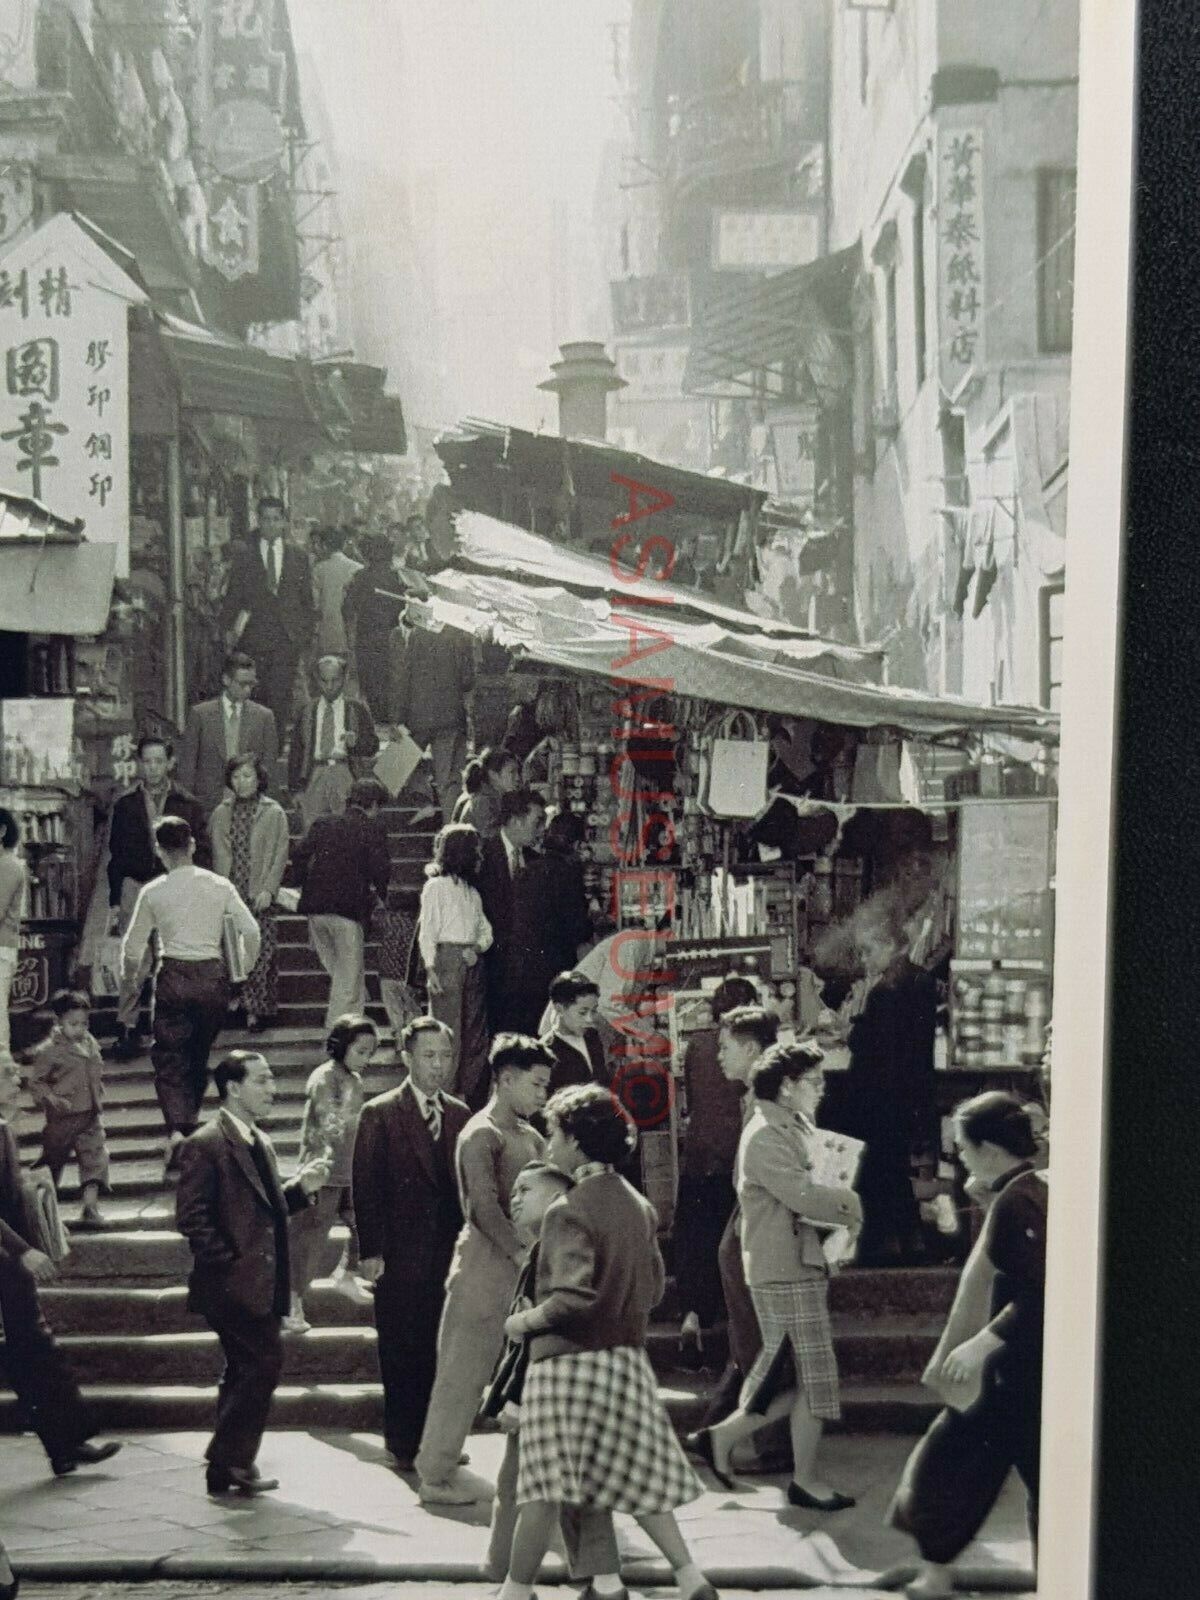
735 784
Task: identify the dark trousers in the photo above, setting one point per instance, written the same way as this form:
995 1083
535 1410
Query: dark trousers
277 682
955 1475
253 1351
36 1368
408 1310
891 1215
702 1213
191 1001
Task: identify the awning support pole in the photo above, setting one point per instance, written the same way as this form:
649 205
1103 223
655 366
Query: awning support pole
177 698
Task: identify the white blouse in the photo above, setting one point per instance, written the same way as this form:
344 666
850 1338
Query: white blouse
451 913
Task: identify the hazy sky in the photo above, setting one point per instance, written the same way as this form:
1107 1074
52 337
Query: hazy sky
492 114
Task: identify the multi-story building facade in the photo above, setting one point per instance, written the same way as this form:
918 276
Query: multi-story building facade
952 134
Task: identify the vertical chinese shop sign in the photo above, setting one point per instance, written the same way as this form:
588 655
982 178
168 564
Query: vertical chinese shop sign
961 290
64 379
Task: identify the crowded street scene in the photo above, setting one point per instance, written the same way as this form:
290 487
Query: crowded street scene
530 660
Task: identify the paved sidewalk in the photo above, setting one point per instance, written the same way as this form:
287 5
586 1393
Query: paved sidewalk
340 1513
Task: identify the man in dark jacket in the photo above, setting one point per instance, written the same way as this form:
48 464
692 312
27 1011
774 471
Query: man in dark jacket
269 609
511 1007
408 1212
132 861
344 866
432 675
233 1210
34 1365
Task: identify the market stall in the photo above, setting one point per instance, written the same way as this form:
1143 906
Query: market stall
753 798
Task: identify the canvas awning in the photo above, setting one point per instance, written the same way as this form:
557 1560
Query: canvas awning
701 660
796 319
498 547
58 588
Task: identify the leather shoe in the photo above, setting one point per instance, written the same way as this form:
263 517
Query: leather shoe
700 1444
83 1455
592 1593
801 1497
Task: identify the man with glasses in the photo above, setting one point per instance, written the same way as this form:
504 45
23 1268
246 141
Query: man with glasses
231 725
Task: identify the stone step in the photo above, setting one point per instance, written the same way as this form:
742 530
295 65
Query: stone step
357 1407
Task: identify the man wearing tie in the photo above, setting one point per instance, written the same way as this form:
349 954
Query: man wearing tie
522 815
233 1210
333 742
269 609
231 725
409 1219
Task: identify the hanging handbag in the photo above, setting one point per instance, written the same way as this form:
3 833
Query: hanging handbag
735 784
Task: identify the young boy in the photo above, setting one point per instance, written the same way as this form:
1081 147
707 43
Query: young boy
492 1149
66 1081
588 1538
574 1039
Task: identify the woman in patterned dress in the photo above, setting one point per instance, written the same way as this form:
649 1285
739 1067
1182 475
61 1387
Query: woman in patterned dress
594 1433
250 847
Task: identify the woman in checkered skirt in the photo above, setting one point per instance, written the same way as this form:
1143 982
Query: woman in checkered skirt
593 1430
782 1208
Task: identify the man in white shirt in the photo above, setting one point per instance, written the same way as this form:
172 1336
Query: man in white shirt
333 742
188 908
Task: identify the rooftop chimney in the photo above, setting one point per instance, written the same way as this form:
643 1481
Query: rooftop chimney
583 377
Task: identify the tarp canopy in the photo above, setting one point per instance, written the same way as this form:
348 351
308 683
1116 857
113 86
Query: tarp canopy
61 588
493 546
701 660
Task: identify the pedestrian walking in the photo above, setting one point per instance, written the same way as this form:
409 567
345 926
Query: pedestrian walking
192 911
333 1102
491 774
233 724
493 1147
233 1211
782 1208
453 934
574 1040
706 1197
515 996
132 862
344 866
333 743
409 1213
13 894
268 610
992 1374
432 678
37 1371
332 572
371 608
745 1033
587 1535
594 1433
250 847
66 1080
550 917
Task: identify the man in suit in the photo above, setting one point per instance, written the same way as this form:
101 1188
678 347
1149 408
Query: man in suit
34 1365
344 866
233 1210
269 610
432 678
408 1211
231 725
333 742
510 1008
132 861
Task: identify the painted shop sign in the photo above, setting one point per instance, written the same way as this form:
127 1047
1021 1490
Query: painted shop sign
64 379
961 287
762 241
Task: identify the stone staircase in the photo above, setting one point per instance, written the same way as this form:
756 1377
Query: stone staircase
146 1362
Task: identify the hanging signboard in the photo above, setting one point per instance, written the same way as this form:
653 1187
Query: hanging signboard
64 379
794 445
651 371
764 241
243 80
961 288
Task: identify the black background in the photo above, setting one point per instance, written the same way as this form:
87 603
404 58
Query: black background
1148 1515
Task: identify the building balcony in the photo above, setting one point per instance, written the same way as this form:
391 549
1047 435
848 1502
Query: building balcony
755 128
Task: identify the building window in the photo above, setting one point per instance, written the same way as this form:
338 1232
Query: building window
1056 258
918 260
1051 648
890 333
